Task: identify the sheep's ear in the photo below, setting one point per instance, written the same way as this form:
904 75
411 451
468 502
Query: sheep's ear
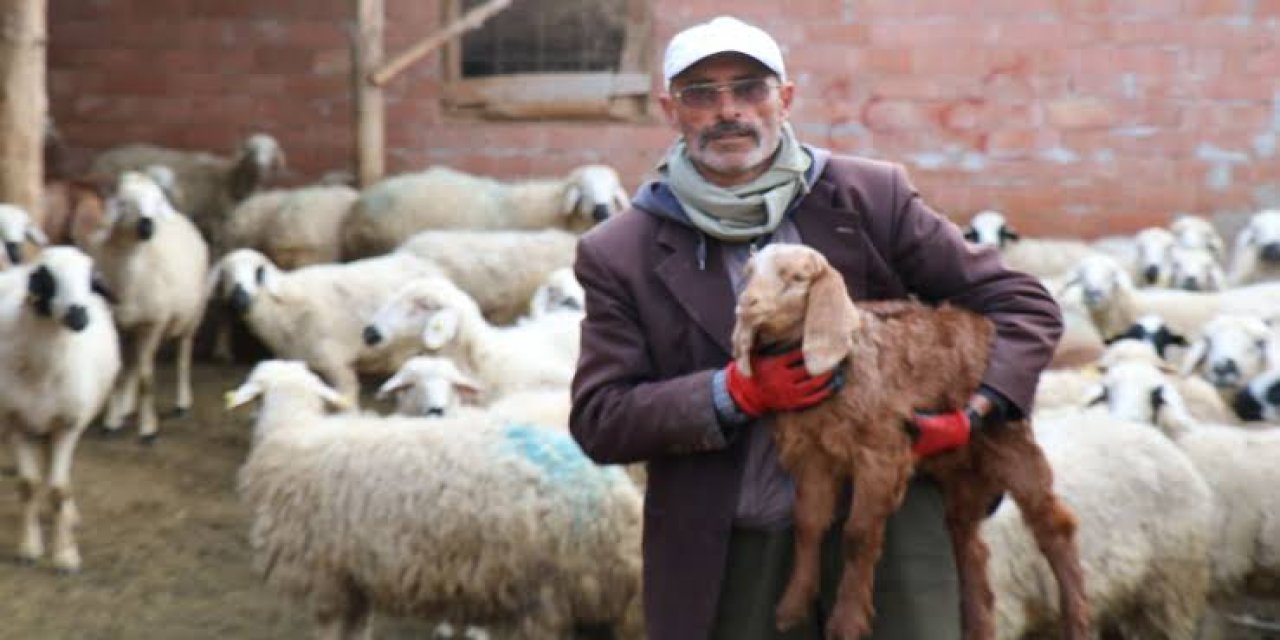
1009 234
36 236
244 394
397 383
1066 287
440 329
971 234
829 323
620 199
572 198
98 285
1096 394
1194 357
335 400
1217 279
466 386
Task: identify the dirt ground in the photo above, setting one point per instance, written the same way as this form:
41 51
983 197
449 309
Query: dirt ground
164 542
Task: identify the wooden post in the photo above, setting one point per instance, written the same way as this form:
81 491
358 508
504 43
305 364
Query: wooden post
367 56
23 102
473 19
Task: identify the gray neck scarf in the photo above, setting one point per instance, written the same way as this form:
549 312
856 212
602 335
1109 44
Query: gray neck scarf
741 212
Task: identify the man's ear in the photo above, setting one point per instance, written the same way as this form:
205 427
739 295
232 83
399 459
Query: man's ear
668 104
787 93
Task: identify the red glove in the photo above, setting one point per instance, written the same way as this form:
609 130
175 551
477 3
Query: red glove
933 433
777 383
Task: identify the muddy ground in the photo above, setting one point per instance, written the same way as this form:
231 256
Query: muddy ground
164 541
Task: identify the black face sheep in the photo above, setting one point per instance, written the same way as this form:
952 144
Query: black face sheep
897 357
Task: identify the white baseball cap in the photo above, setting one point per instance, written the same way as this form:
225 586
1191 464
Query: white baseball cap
721 35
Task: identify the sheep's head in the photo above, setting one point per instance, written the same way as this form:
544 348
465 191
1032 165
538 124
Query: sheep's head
285 376
1260 398
1195 232
167 179
592 194
1195 270
1230 350
792 294
1261 236
1140 392
429 386
560 292
1153 330
990 228
138 205
259 162
15 229
240 277
432 307
61 284
1153 246
1100 279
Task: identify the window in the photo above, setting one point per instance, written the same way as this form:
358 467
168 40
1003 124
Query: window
554 59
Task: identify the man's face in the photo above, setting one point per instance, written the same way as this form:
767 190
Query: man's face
733 139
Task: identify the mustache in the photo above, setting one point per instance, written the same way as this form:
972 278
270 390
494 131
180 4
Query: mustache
726 129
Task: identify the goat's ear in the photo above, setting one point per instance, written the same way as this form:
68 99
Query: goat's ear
743 339
829 322
572 198
1194 357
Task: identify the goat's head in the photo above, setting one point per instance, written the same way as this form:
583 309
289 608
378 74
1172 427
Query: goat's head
60 285
258 163
240 277
792 294
592 194
15 229
990 228
429 386
431 306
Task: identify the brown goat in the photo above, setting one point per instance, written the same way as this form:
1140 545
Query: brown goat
898 357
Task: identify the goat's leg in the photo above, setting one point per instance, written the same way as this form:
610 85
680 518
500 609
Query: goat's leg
148 343
27 453
66 555
967 500
878 491
1024 471
816 489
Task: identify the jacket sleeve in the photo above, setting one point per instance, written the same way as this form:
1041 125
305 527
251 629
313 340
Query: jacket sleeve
622 412
934 261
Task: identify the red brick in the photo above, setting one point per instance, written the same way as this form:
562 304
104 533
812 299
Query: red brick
879 115
1079 113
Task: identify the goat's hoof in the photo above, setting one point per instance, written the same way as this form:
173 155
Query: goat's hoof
179 412
148 440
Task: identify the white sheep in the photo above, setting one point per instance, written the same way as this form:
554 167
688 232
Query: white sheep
1153 246
292 227
394 209
16 229
434 386
207 186
537 353
503 525
1231 350
1195 270
500 270
58 357
1196 232
154 261
1144 518
1114 304
316 313
560 291
1259 400
1153 330
1040 257
1239 465
1257 250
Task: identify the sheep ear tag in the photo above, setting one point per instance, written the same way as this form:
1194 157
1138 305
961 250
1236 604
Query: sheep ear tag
440 329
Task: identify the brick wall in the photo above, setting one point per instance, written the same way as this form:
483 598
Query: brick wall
1078 117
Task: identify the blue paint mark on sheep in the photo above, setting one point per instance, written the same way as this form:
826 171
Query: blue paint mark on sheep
567 469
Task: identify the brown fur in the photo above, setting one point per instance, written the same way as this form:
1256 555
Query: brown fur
72 210
897 357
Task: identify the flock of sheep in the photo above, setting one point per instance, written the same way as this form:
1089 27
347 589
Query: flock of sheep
454 291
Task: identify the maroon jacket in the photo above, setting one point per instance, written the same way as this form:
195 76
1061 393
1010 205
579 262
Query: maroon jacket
657 327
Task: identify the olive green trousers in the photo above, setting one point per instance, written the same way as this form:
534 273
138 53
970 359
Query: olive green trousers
916 590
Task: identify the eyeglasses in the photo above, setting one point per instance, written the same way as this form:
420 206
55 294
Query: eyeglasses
705 96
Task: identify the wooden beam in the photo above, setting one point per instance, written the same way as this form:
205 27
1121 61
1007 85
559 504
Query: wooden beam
370 109
470 20
23 103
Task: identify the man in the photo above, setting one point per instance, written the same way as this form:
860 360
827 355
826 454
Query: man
653 384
